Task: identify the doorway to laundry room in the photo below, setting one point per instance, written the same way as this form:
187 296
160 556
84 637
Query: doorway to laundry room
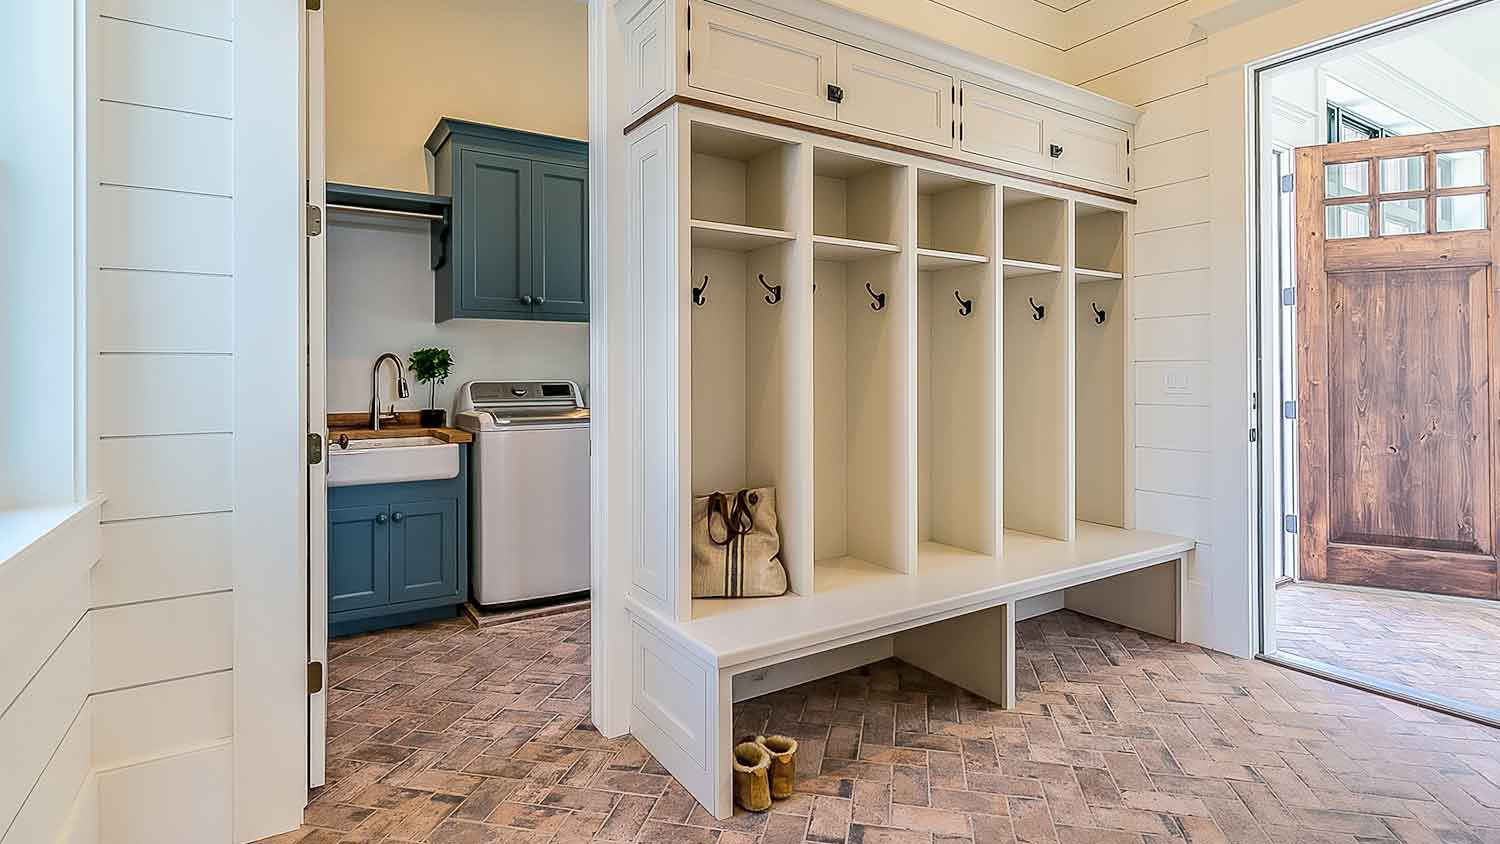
1379 362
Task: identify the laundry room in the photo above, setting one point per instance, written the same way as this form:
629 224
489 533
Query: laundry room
456 323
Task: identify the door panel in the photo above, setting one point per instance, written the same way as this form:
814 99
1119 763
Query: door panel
895 97
358 558
1004 127
1397 387
1089 150
745 56
560 251
496 199
424 550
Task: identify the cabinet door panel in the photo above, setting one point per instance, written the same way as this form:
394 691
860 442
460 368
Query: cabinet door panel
896 97
358 554
1001 126
745 56
560 251
496 205
1089 150
424 549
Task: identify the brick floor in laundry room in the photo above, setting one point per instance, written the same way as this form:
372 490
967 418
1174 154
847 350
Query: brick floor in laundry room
444 733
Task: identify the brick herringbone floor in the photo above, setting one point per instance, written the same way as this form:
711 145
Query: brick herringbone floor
444 733
1435 645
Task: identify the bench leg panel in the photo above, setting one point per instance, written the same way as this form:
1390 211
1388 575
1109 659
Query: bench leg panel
1149 599
976 652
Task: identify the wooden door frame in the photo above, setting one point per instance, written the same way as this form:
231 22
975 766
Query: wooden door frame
1316 258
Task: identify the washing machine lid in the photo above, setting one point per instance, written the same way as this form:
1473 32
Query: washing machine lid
496 405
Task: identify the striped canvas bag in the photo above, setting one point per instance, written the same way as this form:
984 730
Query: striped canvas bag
736 550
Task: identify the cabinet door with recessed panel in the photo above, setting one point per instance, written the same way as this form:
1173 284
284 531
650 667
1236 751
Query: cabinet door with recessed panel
745 56
895 96
1000 126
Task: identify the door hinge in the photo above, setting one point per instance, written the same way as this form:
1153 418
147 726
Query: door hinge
690 62
1127 146
1289 523
314 449
1288 295
1288 182
314 677
315 5
953 94
1255 400
1254 435
314 220
960 132
690 17
1288 410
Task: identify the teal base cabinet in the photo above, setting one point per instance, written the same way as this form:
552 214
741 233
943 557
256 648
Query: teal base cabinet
398 553
517 241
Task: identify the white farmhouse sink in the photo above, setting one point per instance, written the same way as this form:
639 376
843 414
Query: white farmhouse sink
393 460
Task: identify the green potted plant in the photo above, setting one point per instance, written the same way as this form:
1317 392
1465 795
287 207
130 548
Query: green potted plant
431 366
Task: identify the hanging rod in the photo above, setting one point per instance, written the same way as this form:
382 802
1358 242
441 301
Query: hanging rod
391 212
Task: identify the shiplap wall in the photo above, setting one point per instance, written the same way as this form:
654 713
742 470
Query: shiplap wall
160 107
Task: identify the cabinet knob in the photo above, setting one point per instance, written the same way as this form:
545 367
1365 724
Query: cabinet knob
397 516
527 299
1055 150
540 300
380 519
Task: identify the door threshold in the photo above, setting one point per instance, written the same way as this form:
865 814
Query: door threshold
1386 688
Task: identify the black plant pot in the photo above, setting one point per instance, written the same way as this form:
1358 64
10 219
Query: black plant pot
433 418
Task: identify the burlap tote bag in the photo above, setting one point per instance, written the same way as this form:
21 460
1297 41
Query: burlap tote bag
736 550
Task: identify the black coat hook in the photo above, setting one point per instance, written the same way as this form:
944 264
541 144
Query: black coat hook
965 306
773 291
1037 311
879 298
1098 314
698 298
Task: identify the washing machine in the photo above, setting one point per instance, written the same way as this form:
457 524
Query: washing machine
529 489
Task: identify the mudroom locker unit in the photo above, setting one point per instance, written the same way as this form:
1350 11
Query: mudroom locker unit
917 336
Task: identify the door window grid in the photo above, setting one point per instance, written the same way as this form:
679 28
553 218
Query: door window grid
1406 195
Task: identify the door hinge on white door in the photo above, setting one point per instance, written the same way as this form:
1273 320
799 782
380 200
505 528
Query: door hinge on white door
315 5
314 449
314 677
1288 295
1288 410
314 220
1289 523
1288 182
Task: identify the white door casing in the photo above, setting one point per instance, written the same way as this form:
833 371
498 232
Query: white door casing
317 402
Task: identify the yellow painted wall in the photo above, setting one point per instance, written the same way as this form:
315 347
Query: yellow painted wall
395 66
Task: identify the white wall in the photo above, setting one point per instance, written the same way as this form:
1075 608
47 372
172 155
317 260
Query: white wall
380 300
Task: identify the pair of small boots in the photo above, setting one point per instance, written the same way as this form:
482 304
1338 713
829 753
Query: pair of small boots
764 768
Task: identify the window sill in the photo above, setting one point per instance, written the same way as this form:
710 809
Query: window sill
23 528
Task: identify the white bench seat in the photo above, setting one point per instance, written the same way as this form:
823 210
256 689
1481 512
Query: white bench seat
684 671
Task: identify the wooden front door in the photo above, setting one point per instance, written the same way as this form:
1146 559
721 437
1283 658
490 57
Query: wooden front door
1398 345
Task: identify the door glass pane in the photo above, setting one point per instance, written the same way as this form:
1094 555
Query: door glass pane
1346 221
1460 169
1399 175
1346 179
1403 216
1464 212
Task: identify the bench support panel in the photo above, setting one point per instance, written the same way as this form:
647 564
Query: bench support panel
1149 599
976 652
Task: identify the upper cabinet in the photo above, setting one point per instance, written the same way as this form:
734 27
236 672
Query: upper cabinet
518 241
750 57
976 110
1009 128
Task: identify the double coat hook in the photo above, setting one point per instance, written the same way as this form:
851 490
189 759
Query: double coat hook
773 291
698 298
1038 312
965 306
878 299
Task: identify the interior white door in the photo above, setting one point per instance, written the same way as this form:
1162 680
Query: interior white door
317 403
746 56
1001 126
1087 149
896 97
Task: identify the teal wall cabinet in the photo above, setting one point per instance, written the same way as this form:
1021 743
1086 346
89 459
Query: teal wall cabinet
398 553
518 237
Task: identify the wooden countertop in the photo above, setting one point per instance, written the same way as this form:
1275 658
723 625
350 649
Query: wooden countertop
357 427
